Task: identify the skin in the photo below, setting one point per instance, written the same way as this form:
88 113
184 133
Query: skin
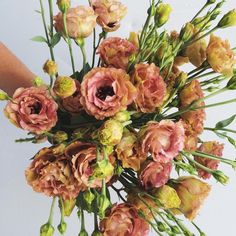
13 73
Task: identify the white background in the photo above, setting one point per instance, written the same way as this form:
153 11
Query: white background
21 210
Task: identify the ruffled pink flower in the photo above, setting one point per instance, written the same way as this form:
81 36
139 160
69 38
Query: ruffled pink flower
163 140
155 174
32 109
212 148
83 158
106 91
123 219
115 52
150 86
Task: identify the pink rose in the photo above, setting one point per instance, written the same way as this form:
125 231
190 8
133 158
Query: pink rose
155 174
150 86
163 140
115 52
213 148
106 91
32 109
123 219
80 22
110 13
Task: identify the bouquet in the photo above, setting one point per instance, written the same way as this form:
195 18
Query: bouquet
129 122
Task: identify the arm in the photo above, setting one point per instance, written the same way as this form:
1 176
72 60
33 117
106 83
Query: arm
13 73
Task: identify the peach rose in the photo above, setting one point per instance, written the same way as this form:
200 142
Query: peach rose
123 219
154 174
191 138
80 22
213 148
110 13
32 109
72 104
106 91
192 193
51 173
220 56
115 52
129 151
83 158
163 140
150 86
189 94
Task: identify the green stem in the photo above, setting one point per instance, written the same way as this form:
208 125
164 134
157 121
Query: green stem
62 210
68 40
84 56
50 219
199 12
222 129
82 220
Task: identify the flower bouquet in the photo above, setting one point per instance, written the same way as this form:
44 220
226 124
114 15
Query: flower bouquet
129 121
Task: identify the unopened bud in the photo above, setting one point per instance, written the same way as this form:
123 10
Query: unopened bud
175 230
162 14
89 197
228 19
60 136
102 203
211 2
4 96
83 232
38 82
220 176
64 87
231 85
68 206
161 227
97 233
50 67
63 5
103 169
46 230
187 32
62 227
122 116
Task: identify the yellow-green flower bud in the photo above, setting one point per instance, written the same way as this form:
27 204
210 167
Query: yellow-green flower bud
96 233
38 82
68 206
64 87
162 14
102 203
220 176
211 2
122 116
187 32
181 80
62 227
63 5
83 232
89 197
103 169
110 133
228 19
60 136
50 67
231 85
46 230
3 96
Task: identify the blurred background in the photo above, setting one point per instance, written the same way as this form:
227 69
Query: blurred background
22 211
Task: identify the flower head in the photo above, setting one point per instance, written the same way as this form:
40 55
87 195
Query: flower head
163 140
125 218
228 19
192 193
212 148
80 22
220 56
32 109
155 174
106 91
116 52
150 86
63 5
162 14
110 13
50 67
51 173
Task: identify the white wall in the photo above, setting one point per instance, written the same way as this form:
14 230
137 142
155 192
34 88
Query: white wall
21 210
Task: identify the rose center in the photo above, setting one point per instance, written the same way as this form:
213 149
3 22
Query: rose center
36 108
103 92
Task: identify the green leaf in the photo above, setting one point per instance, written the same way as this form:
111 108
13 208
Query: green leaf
232 141
225 123
39 39
56 39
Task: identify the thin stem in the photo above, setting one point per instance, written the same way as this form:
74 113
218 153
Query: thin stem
199 12
222 129
52 211
62 210
82 220
69 42
84 55
118 193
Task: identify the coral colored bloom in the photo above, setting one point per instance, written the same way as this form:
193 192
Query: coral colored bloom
150 86
106 91
220 56
163 140
72 103
83 158
129 151
155 174
51 173
110 13
123 219
32 109
80 22
212 148
115 52
192 193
